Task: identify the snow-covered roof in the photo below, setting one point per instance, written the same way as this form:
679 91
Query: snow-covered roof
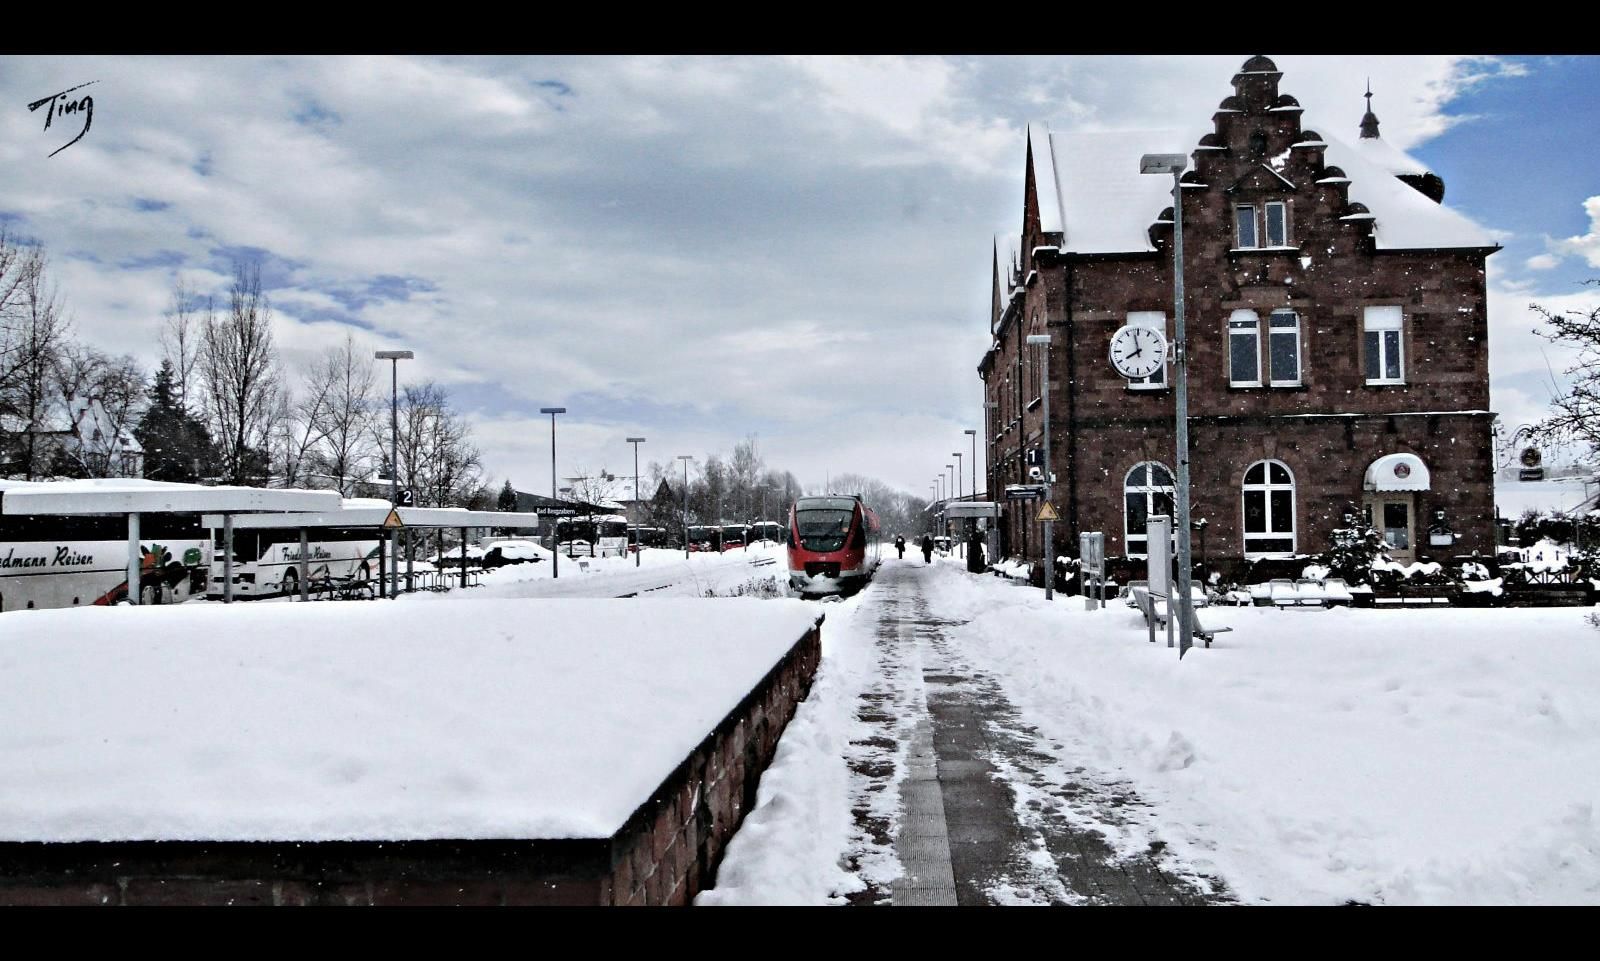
1044 178
375 516
122 495
413 720
1107 205
1560 495
1384 155
1405 218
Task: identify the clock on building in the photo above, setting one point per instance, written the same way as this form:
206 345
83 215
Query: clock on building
1138 351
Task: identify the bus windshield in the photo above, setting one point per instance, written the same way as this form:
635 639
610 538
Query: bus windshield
823 530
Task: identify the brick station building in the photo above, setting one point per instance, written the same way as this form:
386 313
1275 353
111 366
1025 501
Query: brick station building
1337 339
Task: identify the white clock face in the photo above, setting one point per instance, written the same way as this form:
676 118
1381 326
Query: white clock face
1138 351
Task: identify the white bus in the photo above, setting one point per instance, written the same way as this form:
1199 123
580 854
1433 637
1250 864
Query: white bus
598 535
49 560
266 561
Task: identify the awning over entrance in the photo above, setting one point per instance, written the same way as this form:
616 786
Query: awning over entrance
1397 472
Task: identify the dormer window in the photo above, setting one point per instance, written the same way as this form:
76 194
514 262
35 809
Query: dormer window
1252 235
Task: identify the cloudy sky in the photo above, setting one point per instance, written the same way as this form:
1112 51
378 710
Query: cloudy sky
695 249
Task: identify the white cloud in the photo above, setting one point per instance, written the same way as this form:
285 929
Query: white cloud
1542 262
797 246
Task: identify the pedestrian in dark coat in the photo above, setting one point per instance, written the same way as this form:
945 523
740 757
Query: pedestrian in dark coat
900 545
927 548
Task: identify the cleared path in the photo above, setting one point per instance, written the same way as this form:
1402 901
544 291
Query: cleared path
979 820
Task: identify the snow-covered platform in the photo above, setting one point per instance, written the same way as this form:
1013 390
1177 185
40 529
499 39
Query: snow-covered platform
473 751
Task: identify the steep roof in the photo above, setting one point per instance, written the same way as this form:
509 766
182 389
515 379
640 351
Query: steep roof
1045 182
1107 205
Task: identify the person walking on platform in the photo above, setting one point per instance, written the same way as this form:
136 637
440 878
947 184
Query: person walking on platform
927 548
900 545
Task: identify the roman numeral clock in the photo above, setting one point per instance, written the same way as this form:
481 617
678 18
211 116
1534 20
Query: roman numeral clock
1138 351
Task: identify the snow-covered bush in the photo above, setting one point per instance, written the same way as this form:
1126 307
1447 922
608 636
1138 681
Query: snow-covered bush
1353 552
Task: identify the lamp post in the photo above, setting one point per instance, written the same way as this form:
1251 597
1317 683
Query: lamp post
934 488
1043 340
686 458
949 489
1174 164
974 463
958 455
394 357
638 543
555 542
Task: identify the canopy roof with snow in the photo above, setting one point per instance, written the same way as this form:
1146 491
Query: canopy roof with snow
125 495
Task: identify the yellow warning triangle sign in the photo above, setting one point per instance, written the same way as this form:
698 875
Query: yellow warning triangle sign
393 521
1048 513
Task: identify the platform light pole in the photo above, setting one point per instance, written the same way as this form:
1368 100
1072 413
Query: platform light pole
638 542
555 541
394 357
1174 164
973 464
958 455
686 458
934 488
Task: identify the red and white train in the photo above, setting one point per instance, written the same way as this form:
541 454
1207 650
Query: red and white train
833 544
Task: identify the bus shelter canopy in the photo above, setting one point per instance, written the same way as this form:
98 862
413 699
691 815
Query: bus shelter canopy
129 495
374 516
959 509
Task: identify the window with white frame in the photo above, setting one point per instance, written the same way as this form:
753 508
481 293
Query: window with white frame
1244 349
1268 509
1382 344
1244 226
1277 224
1147 491
1283 348
1270 230
1155 320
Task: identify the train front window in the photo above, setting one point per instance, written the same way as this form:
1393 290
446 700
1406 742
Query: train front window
823 530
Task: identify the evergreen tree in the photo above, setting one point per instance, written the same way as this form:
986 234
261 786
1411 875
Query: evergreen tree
177 446
508 497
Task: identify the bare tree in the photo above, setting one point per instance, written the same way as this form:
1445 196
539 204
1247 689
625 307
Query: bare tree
296 431
346 445
33 334
239 371
183 334
1575 412
595 487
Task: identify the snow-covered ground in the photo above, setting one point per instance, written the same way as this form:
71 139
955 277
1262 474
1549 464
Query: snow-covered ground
660 573
1309 756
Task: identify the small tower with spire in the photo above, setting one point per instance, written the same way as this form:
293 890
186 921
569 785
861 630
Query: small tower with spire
1369 121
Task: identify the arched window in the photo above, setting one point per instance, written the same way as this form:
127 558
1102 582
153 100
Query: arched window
1268 509
1146 491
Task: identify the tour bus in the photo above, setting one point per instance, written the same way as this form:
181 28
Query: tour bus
266 561
734 536
598 535
50 560
702 538
647 536
768 531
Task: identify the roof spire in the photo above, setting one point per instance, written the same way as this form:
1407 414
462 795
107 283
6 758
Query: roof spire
1369 122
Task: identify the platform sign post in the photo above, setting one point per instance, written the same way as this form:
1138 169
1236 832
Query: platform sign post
1092 563
1158 563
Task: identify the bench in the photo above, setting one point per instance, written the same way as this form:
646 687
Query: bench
1300 593
1153 606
